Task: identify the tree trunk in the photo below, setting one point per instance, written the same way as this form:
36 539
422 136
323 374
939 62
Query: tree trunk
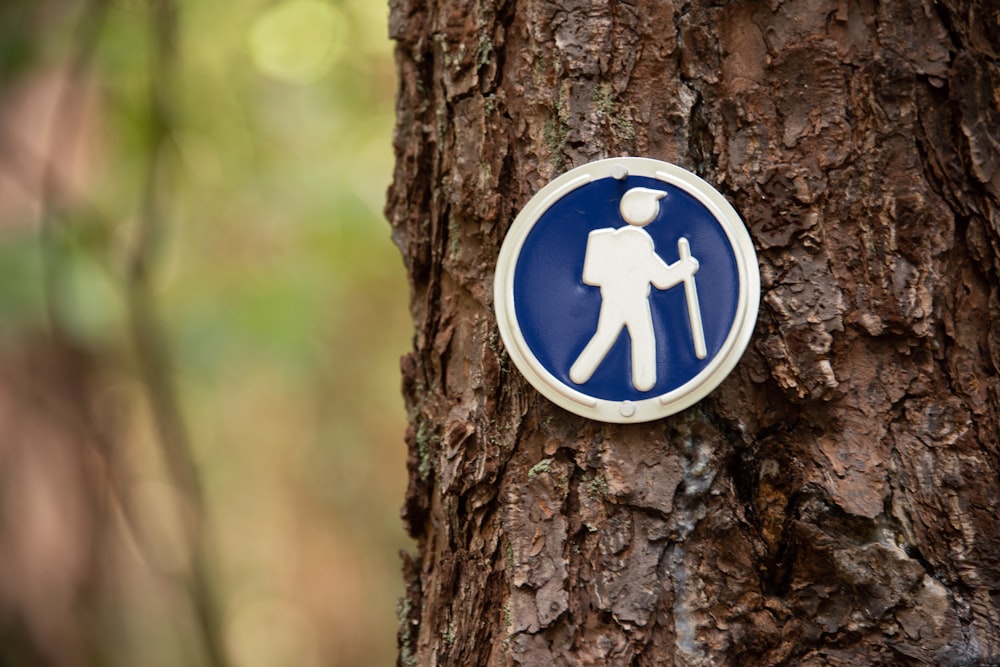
835 501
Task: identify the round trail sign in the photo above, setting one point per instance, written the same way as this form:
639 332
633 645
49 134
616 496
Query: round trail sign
626 290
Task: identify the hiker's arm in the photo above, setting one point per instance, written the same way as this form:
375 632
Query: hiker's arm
667 275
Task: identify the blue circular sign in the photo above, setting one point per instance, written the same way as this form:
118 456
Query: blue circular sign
626 289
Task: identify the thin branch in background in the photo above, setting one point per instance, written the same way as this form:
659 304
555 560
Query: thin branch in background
148 334
49 189
146 330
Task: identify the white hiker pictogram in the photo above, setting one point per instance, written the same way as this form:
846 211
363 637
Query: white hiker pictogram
623 263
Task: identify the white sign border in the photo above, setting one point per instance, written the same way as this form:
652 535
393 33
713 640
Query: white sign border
655 407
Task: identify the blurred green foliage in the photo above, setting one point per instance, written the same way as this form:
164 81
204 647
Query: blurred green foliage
282 297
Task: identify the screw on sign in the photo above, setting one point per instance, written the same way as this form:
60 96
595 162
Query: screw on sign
626 290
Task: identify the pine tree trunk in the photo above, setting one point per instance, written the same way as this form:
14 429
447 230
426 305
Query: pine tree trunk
836 501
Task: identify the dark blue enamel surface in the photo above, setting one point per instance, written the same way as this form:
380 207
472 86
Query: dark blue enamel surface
557 313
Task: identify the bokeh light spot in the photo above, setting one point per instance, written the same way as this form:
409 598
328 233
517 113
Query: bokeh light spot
296 41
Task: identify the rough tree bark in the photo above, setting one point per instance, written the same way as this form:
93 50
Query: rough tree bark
835 501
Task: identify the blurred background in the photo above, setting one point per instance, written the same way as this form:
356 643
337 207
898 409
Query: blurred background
201 316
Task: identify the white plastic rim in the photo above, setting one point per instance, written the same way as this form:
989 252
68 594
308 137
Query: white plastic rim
703 382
